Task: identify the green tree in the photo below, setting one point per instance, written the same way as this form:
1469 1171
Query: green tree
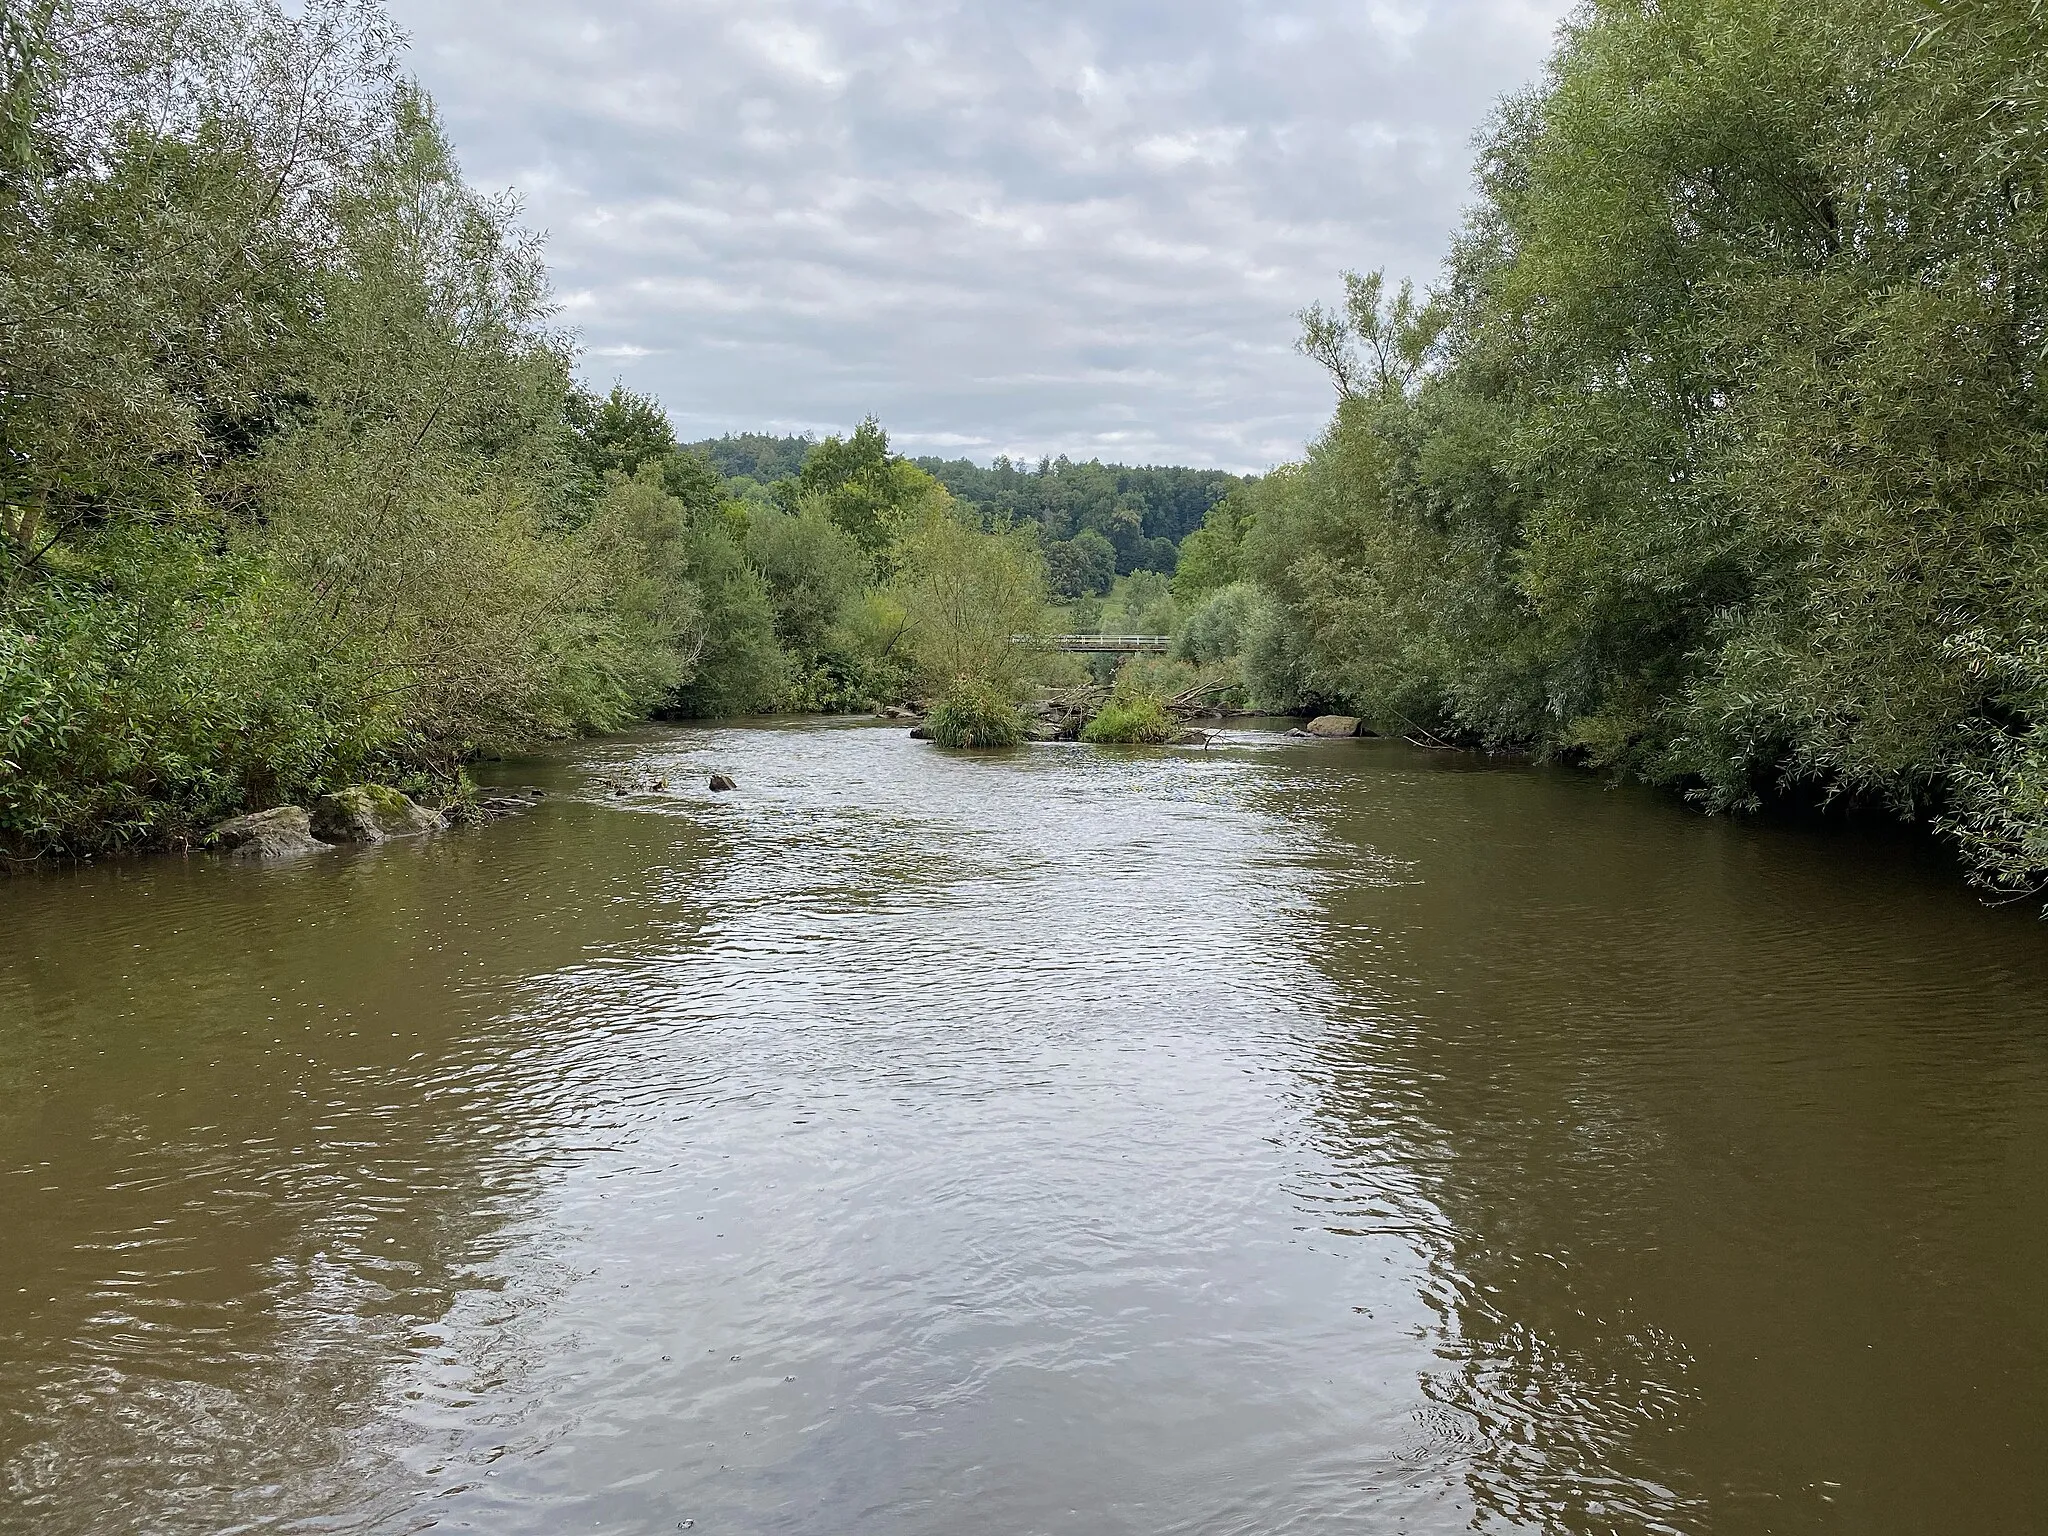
816 573
858 484
617 433
813 568
1140 604
1211 557
622 431
974 602
741 670
1081 566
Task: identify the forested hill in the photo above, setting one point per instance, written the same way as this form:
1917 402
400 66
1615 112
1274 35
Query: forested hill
1144 511
1140 512
758 456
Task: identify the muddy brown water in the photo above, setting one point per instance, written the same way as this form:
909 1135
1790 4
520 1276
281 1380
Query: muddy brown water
1288 1137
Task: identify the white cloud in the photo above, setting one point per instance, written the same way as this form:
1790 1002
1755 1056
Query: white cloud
793 49
1035 226
1213 147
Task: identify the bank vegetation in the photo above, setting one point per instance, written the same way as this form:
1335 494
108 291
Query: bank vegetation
299 488
1718 457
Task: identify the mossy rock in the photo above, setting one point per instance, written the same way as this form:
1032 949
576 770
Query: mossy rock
282 832
369 813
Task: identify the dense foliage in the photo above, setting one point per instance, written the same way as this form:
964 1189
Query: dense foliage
281 435
1097 521
297 487
1720 456
758 457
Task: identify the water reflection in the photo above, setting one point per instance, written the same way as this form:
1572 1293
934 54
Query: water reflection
1278 1138
1722 1146
260 1129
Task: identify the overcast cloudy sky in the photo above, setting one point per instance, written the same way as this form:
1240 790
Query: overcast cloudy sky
1019 226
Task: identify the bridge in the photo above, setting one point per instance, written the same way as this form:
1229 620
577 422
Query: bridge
1100 645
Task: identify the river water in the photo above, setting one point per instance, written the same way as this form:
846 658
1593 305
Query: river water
1283 1137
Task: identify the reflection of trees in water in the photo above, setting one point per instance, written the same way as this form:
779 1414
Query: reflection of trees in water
274 1122
1678 1116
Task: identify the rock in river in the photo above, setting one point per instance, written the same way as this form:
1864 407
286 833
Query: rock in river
719 782
282 832
1333 725
369 813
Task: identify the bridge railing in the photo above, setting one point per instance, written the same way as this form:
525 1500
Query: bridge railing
1115 645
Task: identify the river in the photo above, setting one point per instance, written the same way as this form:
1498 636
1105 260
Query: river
1283 1137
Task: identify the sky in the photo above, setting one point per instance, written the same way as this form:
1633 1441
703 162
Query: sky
1015 226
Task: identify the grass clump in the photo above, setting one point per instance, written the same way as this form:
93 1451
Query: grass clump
974 714
1132 716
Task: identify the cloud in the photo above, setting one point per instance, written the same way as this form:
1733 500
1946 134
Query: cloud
1036 226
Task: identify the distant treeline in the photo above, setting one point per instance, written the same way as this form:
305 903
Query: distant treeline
1719 456
1142 512
1096 521
757 456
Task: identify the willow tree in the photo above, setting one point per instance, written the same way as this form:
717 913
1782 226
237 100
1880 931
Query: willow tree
1719 456
974 602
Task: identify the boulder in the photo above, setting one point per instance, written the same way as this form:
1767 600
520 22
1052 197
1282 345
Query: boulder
283 832
1333 725
720 783
369 813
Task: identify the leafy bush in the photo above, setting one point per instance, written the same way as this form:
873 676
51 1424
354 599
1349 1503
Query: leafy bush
1134 715
161 689
1217 629
974 714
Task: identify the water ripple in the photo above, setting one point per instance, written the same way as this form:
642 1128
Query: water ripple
1274 1138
